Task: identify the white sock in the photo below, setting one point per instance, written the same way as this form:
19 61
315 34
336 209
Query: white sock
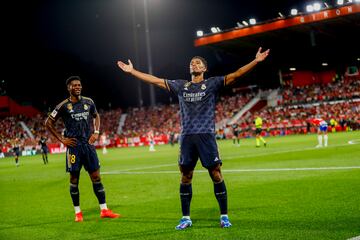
186 217
223 215
77 209
103 206
320 140
325 140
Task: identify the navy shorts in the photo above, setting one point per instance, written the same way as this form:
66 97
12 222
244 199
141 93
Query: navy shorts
17 152
44 150
195 146
236 133
323 128
82 155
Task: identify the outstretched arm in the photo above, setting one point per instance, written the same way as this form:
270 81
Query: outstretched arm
260 56
128 68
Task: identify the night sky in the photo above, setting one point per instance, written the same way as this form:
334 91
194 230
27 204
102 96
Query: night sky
44 42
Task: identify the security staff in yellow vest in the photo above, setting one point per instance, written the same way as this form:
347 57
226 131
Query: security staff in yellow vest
258 129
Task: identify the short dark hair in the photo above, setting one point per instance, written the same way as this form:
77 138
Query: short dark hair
201 59
72 78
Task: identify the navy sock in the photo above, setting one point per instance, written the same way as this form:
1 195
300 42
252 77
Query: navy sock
185 197
221 196
75 195
99 192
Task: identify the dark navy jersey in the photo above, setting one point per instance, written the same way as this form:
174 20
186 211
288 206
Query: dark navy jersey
42 142
77 117
197 103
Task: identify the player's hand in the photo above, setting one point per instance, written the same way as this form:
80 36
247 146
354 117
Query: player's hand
69 142
93 138
260 56
125 67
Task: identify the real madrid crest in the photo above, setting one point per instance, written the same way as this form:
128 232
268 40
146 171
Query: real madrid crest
186 85
70 107
86 107
203 87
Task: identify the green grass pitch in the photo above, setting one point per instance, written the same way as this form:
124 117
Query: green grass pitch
288 190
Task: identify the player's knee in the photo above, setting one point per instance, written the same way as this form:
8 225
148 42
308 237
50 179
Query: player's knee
186 177
216 175
74 180
95 177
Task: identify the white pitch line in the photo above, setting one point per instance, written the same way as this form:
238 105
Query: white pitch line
150 167
243 170
355 238
285 151
354 141
246 156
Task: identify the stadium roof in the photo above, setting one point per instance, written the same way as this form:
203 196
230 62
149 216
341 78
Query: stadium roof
331 35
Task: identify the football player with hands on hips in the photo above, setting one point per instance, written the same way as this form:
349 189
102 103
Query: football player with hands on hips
78 114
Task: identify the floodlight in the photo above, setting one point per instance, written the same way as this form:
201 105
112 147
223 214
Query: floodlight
317 6
252 21
324 64
213 30
239 25
292 69
340 2
245 23
309 8
294 12
199 33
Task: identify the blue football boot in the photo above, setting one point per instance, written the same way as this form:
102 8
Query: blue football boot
184 223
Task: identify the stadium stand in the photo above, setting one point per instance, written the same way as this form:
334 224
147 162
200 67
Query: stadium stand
337 101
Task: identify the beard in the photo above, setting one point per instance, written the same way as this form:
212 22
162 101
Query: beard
193 73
